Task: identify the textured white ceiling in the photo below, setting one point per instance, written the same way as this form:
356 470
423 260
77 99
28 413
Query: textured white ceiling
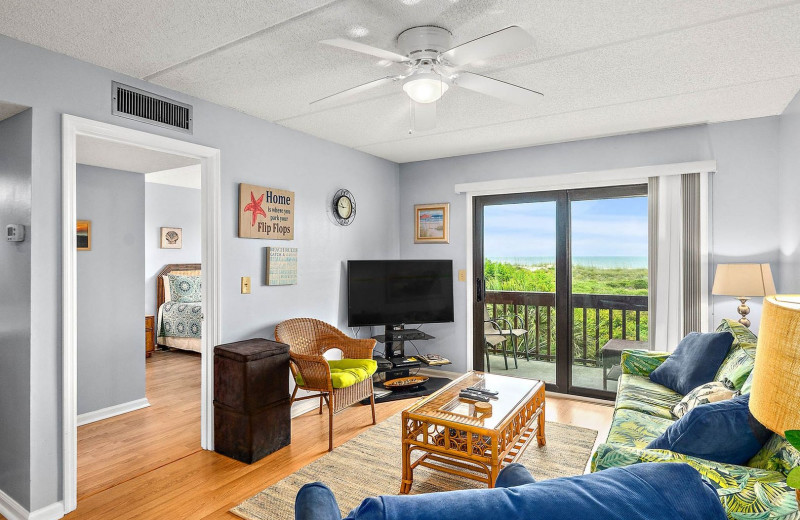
126 157
10 109
606 67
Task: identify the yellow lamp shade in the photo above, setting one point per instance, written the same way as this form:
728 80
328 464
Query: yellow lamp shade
775 394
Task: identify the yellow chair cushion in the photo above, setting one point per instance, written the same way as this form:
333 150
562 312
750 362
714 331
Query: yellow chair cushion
347 372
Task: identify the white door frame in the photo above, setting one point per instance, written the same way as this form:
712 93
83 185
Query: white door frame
209 158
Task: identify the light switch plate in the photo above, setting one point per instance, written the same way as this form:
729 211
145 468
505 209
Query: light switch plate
245 285
462 275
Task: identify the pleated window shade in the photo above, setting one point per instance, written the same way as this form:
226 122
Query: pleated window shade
690 201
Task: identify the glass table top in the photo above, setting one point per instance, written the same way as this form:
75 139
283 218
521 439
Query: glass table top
446 405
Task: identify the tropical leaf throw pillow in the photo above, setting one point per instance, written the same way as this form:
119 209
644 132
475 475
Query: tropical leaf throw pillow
703 394
184 289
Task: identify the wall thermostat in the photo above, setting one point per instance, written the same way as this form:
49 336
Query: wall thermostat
15 233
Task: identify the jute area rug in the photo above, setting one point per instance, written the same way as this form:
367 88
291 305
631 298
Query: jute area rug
369 465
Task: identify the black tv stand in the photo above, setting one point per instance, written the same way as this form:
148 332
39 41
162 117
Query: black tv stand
395 337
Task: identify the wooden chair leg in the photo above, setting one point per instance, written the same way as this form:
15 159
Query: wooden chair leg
330 423
320 404
372 404
294 393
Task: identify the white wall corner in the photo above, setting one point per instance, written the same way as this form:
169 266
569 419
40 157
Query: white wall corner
112 411
12 510
51 512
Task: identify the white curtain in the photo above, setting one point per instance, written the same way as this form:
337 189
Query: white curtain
665 324
678 286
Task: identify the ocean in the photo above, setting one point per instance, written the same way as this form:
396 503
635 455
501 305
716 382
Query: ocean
601 262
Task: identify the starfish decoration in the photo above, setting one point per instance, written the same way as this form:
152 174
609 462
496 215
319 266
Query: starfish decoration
255 207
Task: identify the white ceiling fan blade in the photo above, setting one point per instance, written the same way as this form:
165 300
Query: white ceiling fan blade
506 40
496 88
365 49
345 95
424 116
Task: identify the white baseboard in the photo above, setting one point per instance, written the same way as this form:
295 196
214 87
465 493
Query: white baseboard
301 407
112 411
12 510
51 512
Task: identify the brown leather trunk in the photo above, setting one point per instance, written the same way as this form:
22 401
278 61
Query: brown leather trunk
252 415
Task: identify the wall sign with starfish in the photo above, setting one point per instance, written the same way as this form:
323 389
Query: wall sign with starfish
265 213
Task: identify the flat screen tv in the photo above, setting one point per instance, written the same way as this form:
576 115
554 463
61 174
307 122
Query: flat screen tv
397 292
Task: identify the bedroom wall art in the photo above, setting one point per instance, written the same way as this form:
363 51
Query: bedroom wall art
171 238
84 230
265 213
281 266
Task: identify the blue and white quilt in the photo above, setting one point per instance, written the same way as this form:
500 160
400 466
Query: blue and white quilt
180 320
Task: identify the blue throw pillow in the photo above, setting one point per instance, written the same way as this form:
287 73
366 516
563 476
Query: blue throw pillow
695 362
724 431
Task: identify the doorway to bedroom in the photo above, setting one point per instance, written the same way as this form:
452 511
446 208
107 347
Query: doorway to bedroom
140 262
140 315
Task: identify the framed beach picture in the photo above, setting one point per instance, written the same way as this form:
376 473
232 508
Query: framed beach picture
171 238
432 223
84 229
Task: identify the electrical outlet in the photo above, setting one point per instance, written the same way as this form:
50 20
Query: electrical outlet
462 275
245 285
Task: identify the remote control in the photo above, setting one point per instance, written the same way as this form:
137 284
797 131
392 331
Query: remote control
483 391
473 396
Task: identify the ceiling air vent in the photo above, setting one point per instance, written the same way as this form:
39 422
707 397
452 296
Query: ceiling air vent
147 107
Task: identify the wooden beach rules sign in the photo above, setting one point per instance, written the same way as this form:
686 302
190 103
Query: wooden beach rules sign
265 213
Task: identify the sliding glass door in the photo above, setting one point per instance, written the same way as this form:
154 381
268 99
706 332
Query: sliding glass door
560 285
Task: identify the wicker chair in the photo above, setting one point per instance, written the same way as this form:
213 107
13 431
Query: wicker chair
308 340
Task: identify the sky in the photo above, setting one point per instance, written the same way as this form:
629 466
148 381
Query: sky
605 227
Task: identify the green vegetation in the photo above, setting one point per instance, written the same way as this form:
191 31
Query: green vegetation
586 280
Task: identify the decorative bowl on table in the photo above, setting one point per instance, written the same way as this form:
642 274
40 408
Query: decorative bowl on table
405 383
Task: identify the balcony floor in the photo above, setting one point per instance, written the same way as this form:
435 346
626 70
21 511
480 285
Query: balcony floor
585 377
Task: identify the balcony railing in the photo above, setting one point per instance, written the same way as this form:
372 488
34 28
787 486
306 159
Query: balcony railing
596 319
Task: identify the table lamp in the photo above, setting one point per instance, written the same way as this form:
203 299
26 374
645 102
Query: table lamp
775 394
743 281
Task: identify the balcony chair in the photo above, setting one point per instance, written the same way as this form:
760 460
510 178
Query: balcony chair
339 383
495 335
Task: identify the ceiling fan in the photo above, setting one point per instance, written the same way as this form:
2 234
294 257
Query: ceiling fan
433 66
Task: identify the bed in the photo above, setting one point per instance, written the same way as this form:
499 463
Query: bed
179 323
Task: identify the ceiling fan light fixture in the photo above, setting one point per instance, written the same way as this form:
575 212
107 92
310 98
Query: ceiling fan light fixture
425 88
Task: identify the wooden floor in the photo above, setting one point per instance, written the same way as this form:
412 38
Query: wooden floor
148 464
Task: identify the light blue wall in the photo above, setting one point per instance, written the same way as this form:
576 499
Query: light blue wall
789 192
15 307
744 191
111 349
253 151
168 206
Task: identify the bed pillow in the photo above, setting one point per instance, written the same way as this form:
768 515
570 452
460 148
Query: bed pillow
708 393
723 432
694 362
184 289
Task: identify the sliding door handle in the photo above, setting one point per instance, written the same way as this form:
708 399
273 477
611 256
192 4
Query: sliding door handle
479 289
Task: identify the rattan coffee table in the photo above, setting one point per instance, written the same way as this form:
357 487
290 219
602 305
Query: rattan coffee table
455 438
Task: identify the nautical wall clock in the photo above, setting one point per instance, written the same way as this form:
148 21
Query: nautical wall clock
344 207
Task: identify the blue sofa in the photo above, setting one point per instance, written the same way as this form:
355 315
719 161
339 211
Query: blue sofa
639 492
